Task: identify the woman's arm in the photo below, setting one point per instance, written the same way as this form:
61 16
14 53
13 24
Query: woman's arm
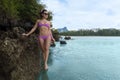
51 34
32 30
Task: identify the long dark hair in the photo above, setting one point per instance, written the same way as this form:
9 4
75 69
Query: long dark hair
41 12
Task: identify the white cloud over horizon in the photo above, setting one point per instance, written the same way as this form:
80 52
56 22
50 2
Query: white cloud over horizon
84 14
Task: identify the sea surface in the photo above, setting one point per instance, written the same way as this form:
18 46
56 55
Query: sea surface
84 58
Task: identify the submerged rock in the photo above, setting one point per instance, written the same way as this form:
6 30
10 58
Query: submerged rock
67 38
19 55
63 42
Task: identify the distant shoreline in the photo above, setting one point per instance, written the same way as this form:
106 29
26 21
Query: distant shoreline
92 36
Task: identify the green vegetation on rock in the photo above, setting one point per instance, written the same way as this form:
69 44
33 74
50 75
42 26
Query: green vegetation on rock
20 12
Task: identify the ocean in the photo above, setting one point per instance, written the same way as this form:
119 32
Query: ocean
84 58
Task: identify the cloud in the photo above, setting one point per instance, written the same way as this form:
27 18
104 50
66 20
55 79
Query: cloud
77 14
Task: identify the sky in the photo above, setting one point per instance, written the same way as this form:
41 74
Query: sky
84 14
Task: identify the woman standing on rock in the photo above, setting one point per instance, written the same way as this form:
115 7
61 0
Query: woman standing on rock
45 35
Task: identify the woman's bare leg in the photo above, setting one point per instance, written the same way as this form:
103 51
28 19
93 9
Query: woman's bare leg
41 41
47 46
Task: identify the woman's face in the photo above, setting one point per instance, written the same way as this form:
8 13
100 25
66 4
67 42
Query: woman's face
45 14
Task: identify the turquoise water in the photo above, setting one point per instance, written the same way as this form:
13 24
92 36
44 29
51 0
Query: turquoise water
84 58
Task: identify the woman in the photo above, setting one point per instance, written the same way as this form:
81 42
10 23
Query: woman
45 35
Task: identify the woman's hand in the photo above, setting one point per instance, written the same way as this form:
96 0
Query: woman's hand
53 39
24 34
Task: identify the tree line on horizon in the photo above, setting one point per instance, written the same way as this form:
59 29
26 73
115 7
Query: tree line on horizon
14 13
92 32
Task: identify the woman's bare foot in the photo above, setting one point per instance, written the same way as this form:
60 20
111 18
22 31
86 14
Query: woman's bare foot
46 67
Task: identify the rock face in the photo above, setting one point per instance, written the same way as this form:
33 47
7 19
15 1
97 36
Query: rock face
19 55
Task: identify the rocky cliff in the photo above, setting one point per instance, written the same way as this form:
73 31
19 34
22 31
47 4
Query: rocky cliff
19 55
